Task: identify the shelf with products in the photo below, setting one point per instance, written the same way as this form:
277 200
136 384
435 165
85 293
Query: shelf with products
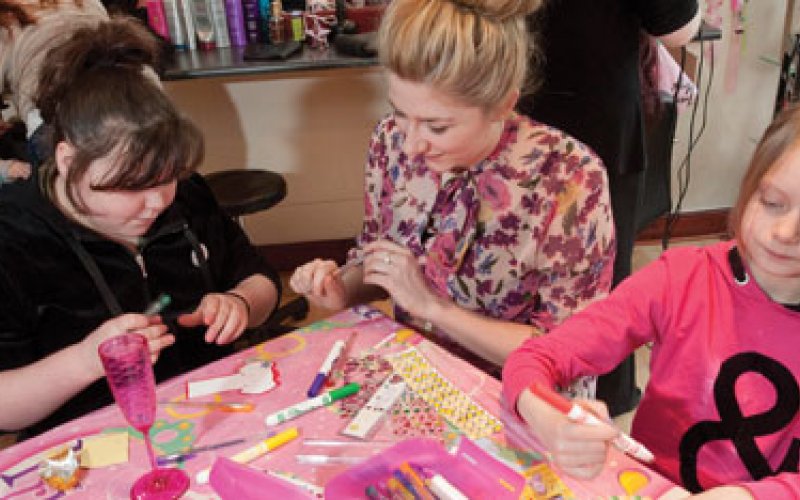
231 62
264 58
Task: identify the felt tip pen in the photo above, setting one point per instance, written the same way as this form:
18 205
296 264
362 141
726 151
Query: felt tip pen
158 305
407 485
418 484
347 265
338 365
325 369
444 489
578 413
398 489
192 452
306 406
262 448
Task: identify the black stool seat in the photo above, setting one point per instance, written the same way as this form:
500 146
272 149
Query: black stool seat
244 192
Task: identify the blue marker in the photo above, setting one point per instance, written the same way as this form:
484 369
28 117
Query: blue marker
325 369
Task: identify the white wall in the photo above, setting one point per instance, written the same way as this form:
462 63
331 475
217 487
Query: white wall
737 115
314 127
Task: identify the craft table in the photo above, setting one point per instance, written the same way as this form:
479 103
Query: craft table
297 357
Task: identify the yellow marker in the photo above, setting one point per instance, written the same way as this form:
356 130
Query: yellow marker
256 451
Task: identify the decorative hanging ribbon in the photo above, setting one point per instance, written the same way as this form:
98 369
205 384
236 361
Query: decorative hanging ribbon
737 43
713 17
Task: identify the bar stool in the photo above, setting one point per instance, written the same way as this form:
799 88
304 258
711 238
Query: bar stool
241 192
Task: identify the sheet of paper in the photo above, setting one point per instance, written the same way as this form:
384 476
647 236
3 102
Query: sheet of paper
213 385
103 450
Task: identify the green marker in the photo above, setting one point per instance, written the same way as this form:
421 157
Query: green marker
158 305
311 404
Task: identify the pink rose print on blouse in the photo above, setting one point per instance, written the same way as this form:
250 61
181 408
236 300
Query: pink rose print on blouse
493 190
440 255
369 210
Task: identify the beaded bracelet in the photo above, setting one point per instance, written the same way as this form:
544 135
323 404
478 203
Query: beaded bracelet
240 297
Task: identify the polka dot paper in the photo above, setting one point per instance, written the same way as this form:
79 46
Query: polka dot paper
449 401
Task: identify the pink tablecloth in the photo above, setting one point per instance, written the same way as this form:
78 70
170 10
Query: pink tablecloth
298 356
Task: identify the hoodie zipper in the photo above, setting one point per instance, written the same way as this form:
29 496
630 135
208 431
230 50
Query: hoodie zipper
140 260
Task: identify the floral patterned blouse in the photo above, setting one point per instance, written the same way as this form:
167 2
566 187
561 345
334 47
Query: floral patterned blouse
526 235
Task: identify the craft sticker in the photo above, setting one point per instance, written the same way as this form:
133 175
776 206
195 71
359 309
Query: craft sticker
449 401
546 484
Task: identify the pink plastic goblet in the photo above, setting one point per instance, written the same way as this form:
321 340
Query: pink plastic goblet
129 371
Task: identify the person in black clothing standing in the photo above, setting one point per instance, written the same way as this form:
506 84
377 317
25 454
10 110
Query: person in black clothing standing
591 89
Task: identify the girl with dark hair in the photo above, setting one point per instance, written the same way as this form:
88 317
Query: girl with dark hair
115 217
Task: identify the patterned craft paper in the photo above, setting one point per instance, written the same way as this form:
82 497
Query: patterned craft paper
450 402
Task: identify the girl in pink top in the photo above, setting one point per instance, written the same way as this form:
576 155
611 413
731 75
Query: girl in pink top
721 411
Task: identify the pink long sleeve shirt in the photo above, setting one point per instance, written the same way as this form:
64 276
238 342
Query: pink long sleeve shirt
721 406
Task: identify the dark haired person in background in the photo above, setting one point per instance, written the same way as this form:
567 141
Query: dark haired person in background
588 54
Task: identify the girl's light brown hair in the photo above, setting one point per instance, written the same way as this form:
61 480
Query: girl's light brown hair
473 50
94 95
778 138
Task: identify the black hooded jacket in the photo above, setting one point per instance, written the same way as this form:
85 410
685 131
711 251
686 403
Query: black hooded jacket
60 280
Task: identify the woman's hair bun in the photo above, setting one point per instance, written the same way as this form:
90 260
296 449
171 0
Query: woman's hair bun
499 10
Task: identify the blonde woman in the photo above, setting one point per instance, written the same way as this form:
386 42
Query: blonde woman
484 227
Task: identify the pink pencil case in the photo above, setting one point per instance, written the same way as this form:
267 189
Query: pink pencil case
472 470
231 480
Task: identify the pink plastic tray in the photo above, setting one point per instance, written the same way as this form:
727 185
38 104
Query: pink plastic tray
471 470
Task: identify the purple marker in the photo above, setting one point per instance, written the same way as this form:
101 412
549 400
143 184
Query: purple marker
325 369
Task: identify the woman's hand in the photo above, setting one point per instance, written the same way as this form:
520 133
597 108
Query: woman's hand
150 327
576 448
226 316
320 283
395 269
